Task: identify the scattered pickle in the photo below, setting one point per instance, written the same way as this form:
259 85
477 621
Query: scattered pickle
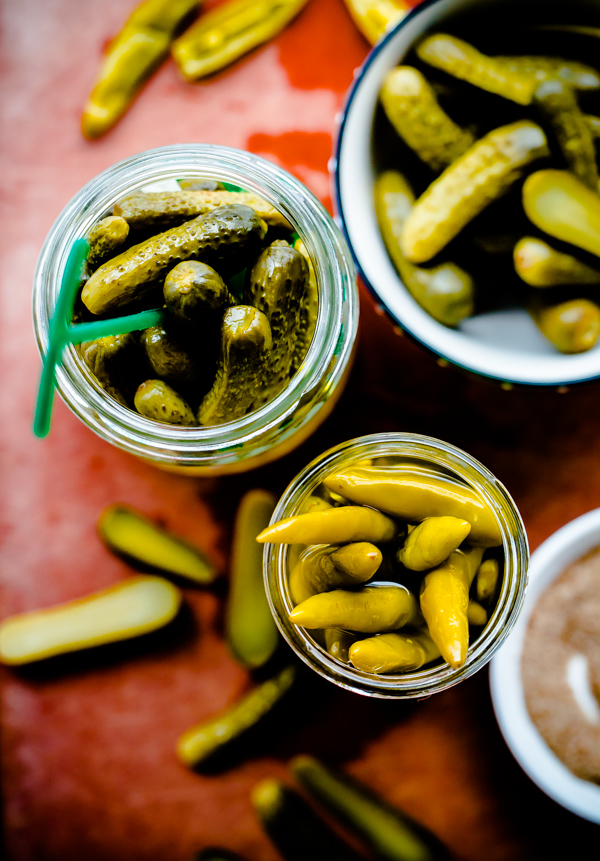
394 653
413 109
245 356
445 600
463 61
333 526
372 610
471 183
540 265
208 738
131 57
230 234
195 292
129 533
413 498
486 582
432 541
162 209
156 400
278 286
229 31
374 17
104 239
251 632
296 830
444 291
561 205
556 100
388 833
133 607
572 326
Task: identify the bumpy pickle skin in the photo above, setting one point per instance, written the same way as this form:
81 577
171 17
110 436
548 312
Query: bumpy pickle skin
106 358
562 206
540 265
228 32
394 653
338 642
334 526
315 571
580 76
242 367
309 310
195 293
473 181
572 326
412 108
131 57
249 626
162 209
133 607
129 533
278 286
412 497
168 358
432 541
487 580
373 609
444 603
374 17
463 61
385 830
105 238
231 234
557 103
204 740
156 400
446 291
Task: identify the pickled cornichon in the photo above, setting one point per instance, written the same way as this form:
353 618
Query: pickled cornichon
413 109
168 357
309 310
444 291
243 366
230 235
471 183
156 400
105 238
540 265
108 358
195 293
228 32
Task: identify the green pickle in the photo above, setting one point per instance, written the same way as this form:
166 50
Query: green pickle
167 356
572 326
541 265
242 368
432 541
278 286
309 310
472 182
230 234
156 400
558 104
107 358
105 238
413 109
463 61
195 293
372 610
444 291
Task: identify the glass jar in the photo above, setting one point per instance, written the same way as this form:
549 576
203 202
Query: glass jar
288 419
422 453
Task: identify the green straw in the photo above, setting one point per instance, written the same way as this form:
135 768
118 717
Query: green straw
61 332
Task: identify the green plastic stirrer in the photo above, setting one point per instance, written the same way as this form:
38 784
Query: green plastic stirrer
62 332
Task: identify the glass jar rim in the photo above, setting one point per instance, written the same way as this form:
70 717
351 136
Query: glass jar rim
421 683
170 444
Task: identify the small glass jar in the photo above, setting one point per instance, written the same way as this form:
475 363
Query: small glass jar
421 452
288 419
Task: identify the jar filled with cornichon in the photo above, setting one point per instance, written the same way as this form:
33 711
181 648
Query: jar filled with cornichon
254 301
395 565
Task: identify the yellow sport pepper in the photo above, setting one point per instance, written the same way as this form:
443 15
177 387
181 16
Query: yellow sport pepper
374 17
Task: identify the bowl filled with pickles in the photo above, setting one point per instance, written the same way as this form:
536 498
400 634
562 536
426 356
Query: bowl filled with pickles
466 182
395 565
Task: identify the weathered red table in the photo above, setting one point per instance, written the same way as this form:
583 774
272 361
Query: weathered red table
88 765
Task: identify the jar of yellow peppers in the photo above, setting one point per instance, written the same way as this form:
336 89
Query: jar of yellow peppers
395 565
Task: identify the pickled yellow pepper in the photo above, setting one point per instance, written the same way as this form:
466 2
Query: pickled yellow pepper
230 31
374 17
131 57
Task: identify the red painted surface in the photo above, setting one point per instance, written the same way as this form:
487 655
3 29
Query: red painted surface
88 765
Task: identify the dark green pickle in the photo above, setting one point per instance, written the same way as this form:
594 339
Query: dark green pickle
105 238
278 286
109 359
156 400
195 292
168 357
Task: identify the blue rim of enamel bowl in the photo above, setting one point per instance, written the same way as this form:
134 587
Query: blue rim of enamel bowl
341 120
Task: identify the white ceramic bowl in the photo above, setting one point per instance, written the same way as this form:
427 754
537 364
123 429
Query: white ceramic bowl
503 345
520 733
